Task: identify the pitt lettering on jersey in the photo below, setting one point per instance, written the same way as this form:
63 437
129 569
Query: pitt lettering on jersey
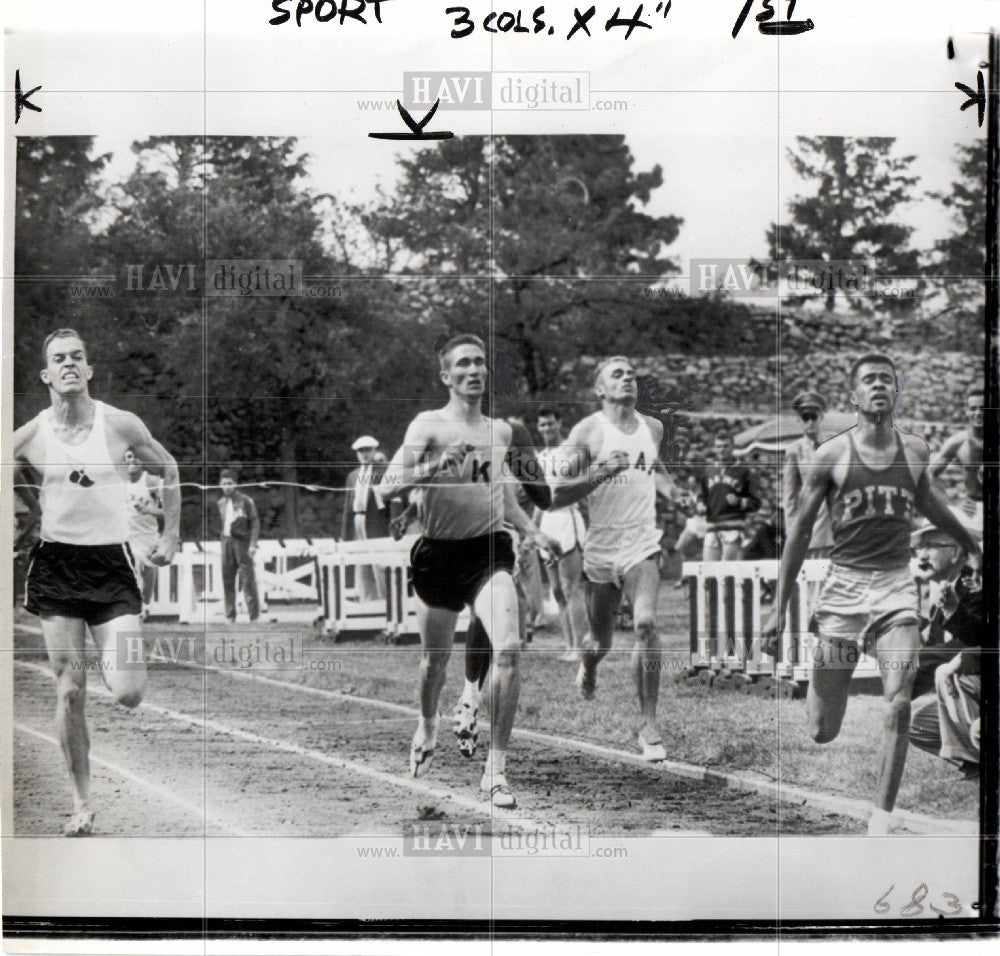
877 500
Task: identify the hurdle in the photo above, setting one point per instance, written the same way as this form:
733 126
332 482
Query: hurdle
393 617
726 612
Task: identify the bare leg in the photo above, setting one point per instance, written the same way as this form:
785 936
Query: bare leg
829 683
571 582
897 661
123 665
64 641
437 633
711 547
642 584
497 607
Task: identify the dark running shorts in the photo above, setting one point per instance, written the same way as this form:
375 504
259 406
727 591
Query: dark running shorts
449 574
94 582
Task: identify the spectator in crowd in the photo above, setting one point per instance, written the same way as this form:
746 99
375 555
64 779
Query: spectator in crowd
240 532
945 718
810 407
365 515
729 494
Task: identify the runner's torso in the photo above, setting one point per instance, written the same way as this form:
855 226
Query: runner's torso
627 501
144 504
83 497
871 513
466 501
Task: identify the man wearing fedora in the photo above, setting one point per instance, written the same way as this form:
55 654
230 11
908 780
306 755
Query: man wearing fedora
364 514
810 407
947 690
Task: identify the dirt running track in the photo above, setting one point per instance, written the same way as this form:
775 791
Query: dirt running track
208 754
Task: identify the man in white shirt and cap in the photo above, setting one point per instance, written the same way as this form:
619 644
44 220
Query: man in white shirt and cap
364 514
810 407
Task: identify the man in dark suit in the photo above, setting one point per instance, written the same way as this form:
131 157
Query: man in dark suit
364 514
240 531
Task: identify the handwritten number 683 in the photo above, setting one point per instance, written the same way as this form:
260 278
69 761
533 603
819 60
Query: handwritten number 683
915 906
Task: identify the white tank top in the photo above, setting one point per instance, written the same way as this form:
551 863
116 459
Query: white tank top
626 501
145 498
83 497
468 501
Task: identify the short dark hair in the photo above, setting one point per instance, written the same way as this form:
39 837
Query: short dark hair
227 473
874 358
463 338
546 412
724 435
60 334
976 392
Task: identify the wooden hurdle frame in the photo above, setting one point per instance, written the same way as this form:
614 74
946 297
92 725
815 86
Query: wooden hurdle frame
726 615
305 571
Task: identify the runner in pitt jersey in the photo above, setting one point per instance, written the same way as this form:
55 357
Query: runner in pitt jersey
967 449
464 558
872 477
81 574
613 456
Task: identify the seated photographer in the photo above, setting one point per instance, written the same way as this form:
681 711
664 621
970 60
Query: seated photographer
945 717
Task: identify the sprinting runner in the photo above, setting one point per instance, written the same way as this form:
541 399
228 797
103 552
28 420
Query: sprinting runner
872 478
145 504
564 526
967 449
81 573
613 456
463 558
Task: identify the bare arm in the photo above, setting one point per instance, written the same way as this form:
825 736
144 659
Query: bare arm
525 467
933 505
946 455
408 469
24 471
814 490
582 474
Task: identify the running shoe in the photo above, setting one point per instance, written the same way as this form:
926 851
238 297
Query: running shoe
80 824
422 751
500 793
651 745
466 728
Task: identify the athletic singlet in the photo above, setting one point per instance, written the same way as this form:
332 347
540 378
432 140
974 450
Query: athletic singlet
564 524
626 501
83 497
871 513
467 501
144 503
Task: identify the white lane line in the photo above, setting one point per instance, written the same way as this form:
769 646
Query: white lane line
147 785
857 809
483 807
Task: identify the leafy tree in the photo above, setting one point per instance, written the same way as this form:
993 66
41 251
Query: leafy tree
960 258
859 184
542 238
